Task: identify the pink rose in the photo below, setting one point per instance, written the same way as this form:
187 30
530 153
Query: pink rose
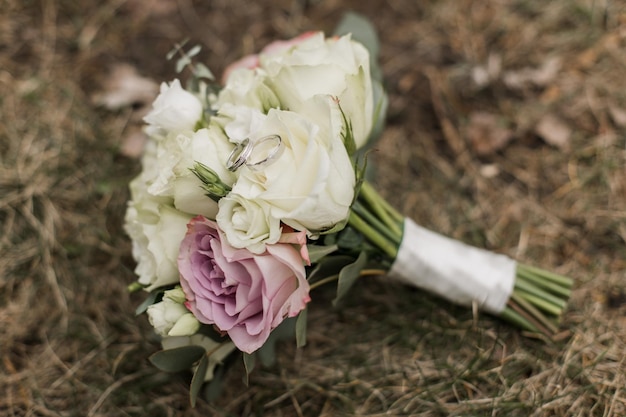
242 294
276 47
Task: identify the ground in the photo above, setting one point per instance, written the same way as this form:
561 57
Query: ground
506 130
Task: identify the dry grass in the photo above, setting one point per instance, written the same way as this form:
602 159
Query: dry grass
550 192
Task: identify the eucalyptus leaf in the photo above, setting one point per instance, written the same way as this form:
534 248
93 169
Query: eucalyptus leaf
194 51
318 252
350 239
182 63
177 359
331 265
213 388
267 352
202 71
152 298
348 276
301 328
198 380
249 362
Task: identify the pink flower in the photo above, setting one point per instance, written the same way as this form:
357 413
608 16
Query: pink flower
276 47
242 294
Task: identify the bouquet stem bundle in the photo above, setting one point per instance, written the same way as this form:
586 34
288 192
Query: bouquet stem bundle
538 297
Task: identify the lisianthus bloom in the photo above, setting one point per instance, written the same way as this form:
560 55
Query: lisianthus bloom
170 317
244 294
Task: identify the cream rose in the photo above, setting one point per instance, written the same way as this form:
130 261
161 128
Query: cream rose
338 66
310 186
175 109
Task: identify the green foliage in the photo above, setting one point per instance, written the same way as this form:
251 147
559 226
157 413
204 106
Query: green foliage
198 379
153 297
211 182
348 276
301 322
177 359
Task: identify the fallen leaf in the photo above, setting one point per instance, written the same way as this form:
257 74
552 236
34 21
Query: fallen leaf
618 115
125 87
486 133
483 75
554 131
133 143
529 76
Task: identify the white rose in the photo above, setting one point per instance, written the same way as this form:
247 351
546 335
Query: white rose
218 351
156 229
170 317
175 109
310 186
245 87
177 154
247 222
314 65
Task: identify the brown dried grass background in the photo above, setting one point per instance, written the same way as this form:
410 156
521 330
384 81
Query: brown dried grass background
506 130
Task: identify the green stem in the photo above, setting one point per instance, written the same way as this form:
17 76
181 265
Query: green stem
536 314
545 280
549 299
382 209
375 223
389 248
363 273
367 188
540 303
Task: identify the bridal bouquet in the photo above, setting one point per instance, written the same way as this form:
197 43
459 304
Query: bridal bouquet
253 193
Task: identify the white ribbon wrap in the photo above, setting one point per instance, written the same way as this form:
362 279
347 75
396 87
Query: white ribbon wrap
453 270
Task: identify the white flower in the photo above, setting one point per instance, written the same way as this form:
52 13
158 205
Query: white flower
246 87
316 65
310 186
177 154
170 317
247 222
217 351
156 229
175 109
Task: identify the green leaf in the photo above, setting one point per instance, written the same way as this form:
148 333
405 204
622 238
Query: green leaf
150 299
202 71
350 239
331 265
182 63
177 359
249 361
213 388
301 328
198 380
318 252
194 51
348 276
267 352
